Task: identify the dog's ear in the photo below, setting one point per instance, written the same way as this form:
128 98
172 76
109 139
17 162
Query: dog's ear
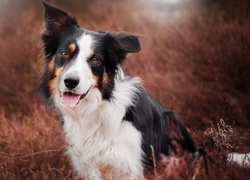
128 43
56 22
56 19
124 43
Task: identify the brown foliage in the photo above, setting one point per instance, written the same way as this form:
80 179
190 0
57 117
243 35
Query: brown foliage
218 141
32 147
199 66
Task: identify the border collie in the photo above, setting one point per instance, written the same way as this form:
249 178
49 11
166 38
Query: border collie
113 127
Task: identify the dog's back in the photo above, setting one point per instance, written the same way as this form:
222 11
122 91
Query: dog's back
160 128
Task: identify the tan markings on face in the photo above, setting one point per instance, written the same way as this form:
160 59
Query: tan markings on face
52 68
105 78
52 77
72 48
92 52
96 78
99 84
53 83
53 86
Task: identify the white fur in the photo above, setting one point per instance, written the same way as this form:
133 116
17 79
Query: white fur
99 138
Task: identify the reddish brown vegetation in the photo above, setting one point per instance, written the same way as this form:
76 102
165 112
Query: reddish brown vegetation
32 147
198 66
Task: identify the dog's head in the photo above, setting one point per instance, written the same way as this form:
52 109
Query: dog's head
78 61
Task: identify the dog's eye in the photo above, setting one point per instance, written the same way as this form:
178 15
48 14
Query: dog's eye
94 60
64 54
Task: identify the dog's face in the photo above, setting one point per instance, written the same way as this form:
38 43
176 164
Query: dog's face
78 61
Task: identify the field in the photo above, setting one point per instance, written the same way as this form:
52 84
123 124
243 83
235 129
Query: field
195 59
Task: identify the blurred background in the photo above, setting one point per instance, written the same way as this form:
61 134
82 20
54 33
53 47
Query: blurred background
195 59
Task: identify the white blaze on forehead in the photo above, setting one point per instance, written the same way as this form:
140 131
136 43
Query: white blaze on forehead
85 46
85 43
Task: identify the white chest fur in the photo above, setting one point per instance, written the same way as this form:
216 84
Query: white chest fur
101 144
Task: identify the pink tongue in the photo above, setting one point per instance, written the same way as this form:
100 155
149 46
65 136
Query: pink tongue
70 99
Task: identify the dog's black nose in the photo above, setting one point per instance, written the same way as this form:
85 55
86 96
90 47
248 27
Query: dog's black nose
71 83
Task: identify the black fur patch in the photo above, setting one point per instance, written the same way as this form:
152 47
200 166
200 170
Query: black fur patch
159 126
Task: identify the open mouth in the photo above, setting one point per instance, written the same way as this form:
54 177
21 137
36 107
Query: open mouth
70 99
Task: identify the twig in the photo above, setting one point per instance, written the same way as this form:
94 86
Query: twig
35 153
154 160
42 152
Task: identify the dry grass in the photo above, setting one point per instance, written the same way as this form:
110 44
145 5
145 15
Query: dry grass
218 141
32 147
199 66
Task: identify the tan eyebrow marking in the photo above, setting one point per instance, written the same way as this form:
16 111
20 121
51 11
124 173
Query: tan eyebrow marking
72 47
92 52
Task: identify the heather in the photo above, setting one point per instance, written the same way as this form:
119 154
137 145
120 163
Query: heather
195 59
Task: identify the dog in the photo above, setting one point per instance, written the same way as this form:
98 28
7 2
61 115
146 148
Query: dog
113 127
